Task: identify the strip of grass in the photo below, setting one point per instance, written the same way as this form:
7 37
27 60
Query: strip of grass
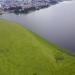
24 53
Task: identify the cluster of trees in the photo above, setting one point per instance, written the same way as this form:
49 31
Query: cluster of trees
19 9
25 10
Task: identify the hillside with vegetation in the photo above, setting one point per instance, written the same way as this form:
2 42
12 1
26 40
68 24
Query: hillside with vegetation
24 53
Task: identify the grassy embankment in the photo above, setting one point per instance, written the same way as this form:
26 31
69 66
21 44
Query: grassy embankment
23 53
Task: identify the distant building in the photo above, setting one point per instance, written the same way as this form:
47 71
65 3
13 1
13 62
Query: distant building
0 6
1 10
40 3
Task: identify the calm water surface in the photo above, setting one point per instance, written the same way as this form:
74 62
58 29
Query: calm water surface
56 23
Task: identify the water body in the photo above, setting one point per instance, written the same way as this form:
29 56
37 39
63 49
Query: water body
56 23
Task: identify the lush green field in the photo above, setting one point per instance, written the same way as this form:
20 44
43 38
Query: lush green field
24 53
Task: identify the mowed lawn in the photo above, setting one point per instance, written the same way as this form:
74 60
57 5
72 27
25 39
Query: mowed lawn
24 53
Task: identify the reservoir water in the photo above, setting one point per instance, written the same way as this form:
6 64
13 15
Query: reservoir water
56 23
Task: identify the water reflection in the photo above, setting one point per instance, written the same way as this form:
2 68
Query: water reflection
55 23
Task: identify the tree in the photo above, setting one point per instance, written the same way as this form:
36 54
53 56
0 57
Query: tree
34 73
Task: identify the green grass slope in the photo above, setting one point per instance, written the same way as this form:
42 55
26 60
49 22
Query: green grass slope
24 53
